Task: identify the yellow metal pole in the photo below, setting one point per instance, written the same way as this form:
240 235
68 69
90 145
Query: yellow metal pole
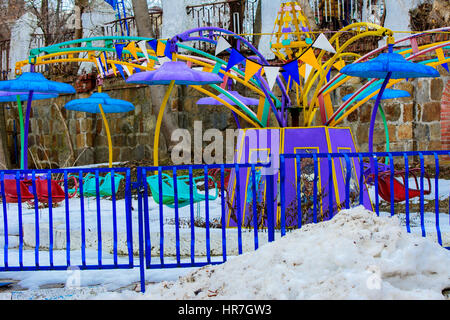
159 122
108 133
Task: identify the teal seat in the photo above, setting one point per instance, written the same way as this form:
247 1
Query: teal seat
183 190
105 185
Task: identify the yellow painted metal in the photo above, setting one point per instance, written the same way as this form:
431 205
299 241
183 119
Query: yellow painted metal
159 122
212 95
108 132
288 45
363 30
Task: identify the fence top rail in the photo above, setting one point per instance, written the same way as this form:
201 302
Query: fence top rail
68 170
365 154
208 166
125 170
211 4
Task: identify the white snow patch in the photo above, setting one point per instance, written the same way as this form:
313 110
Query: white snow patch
357 255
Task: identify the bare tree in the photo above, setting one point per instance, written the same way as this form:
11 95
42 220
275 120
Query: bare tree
52 18
140 8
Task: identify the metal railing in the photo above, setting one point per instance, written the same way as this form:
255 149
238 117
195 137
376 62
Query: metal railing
127 26
387 188
181 216
227 15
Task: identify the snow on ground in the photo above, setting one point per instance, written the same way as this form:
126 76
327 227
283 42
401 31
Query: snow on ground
335 259
354 256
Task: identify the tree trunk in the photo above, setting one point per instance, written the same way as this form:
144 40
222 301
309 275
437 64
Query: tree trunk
80 7
45 23
144 29
142 18
4 152
257 25
308 13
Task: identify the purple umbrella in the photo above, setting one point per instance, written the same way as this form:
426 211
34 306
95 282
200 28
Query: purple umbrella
171 73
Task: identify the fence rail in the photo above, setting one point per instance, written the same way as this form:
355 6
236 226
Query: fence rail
227 15
42 209
390 188
180 216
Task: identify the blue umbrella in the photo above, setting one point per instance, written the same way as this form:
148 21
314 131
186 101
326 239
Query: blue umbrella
6 96
102 103
387 66
31 82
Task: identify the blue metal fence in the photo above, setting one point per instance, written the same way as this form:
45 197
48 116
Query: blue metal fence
185 181
178 214
42 198
384 180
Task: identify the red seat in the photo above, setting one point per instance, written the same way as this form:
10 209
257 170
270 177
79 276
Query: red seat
58 193
215 173
384 186
11 191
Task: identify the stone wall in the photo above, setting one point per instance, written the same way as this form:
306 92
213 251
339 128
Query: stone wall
445 117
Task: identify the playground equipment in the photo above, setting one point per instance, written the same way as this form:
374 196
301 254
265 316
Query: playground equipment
11 186
6 96
50 190
387 66
105 185
171 73
32 82
183 194
100 102
387 94
42 187
306 67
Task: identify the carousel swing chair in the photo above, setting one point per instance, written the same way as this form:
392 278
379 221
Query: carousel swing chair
42 191
399 187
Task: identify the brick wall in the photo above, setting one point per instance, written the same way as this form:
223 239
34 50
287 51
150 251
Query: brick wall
445 117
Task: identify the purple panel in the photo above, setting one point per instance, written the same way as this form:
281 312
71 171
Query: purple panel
256 145
342 141
298 141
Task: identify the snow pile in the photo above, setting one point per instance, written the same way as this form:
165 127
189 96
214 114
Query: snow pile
357 255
